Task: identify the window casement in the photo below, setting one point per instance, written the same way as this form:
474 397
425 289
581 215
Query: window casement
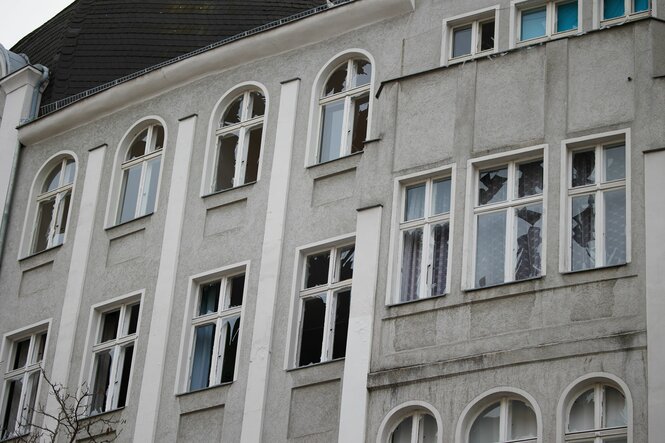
424 236
216 331
419 427
53 203
506 420
598 414
596 205
620 9
542 19
468 35
21 382
239 136
114 339
344 103
324 302
140 170
508 220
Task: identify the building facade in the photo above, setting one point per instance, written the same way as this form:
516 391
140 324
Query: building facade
377 221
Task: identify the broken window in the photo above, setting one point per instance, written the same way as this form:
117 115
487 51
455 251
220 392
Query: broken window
239 137
113 355
344 107
424 239
21 380
325 299
416 428
140 174
508 222
598 414
470 34
597 202
506 420
216 331
53 204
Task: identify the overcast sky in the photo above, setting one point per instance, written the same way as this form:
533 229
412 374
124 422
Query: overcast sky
20 17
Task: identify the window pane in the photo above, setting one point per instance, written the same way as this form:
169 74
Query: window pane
615 440
61 220
582 413
343 302
317 269
613 9
363 72
231 335
522 420
150 185
226 161
528 241
486 427
584 168
40 348
402 433
70 172
125 374
157 137
615 227
110 322
237 291
233 113
487 36
204 337
566 16
21 354
583 232
130 193
412 251
258 104
640 5
462 41
360 114
533 23
137 148
14 388
253 154
530 179
440 235
103 363
43 228
493 186
133 318
490 249
331 135
441 198
415 203
52 181
428 430
337 81
31 398
346 256
615 163
615 409
311 335
209 298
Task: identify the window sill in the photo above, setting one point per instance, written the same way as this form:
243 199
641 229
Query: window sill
599 268
42 257
128 222
547 38
102 414
316 373
228 190
504 284
316 365
227 196
203 390
334 167
418 300
471 57
16 438
623 19
334 160
206 398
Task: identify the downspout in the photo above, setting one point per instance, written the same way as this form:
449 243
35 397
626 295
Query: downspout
34 109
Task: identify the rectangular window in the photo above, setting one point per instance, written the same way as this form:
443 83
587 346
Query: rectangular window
424 239
21 380
616 9
470 34
113 355
597 230
325 299
216 331
545 19
508 215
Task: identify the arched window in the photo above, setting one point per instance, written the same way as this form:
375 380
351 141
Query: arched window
597 414
141 163
419 427
344 109
505 420
53 202
239 135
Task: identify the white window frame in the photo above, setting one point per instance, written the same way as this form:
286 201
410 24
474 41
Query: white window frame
404 410
519 6
598 433
509 159
192 320
597 142
504 418
599 8
474 19
32 366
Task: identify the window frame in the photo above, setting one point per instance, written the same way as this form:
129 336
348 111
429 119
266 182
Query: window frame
551 19
31 367
510 159
397 414
474 18
598 433
597 142
504 417
629 13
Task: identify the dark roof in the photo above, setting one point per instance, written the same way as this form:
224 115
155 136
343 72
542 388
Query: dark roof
92 42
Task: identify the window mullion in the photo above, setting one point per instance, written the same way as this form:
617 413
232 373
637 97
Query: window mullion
600 228
425 263
216 352
503 420
110 389
599 406
474 38
140 200
346 130
241 153
329 326
414 428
